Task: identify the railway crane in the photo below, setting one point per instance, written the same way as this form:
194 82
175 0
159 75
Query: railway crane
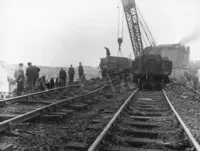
149 68
153 63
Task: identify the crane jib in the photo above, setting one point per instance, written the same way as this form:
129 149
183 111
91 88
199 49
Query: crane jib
133 26
128 3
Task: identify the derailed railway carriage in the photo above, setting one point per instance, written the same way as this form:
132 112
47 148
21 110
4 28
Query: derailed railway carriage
115 66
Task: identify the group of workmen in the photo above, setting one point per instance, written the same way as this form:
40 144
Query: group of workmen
71 73
32 74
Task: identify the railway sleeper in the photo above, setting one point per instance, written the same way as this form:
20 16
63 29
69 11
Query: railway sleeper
141 142
68 111
15 133
96 127
78 106
88 101
141 125
50 118
141 118
7 116
6 147
143 113
124 148
96 121
109 110
36 102
152 104
140 133
78 146
140 115
150 109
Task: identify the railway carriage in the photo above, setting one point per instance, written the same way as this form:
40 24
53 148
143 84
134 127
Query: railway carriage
115 66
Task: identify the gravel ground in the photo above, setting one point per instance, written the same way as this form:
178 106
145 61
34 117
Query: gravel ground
54 136
187 105
20 108
168 128
24 107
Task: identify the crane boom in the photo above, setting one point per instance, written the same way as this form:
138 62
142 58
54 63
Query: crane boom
133 26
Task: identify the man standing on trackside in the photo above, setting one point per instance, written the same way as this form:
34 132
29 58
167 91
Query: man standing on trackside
63 75
32 73
71 73
80 71
20 78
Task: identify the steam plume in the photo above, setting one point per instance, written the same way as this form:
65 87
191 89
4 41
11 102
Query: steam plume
192 37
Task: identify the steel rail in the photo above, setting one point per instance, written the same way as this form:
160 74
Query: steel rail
18 98
24 117
108 126
192 139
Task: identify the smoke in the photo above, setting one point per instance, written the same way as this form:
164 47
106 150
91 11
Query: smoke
192 37
195 33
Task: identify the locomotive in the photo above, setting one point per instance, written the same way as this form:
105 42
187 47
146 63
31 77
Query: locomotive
151 70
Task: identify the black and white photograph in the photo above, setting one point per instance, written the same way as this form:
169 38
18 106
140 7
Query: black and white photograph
99 75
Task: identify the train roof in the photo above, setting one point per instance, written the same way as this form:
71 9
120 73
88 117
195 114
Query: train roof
115 57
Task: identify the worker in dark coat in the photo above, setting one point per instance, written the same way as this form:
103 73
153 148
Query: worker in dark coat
57 82
52 83
195 81
71 73
32 73
107 52
80 71
20 79
63 75
42 83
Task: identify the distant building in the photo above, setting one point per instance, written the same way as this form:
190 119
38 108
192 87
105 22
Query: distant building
179 55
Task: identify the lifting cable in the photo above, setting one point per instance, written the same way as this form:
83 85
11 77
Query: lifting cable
118 22
144 40
147 28
146 34
120 38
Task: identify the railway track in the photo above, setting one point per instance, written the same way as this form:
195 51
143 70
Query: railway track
27 96
52 109
146 121
15 106
11 107
42 110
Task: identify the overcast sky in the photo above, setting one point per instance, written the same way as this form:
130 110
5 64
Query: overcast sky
64 32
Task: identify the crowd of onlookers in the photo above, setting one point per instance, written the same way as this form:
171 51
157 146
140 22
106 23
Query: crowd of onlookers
29 81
